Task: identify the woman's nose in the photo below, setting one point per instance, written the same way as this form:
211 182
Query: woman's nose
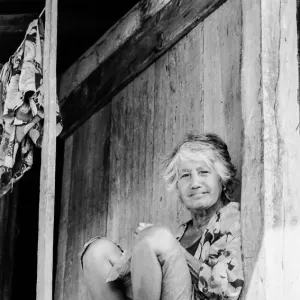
196 181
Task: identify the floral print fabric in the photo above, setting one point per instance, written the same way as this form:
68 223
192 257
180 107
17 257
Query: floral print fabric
219 250
21 107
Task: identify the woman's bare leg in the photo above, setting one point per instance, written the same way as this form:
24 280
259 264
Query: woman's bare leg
98 260
158 268
146 273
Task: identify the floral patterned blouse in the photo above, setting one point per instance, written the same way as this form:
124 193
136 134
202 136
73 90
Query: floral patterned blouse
221 274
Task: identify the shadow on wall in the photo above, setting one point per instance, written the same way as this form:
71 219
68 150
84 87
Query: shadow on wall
25 255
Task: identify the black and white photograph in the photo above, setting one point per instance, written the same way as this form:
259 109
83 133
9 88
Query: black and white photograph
149 150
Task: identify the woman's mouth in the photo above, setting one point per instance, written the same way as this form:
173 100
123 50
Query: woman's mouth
197 194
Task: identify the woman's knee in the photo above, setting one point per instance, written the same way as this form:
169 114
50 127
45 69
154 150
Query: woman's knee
159 238
101 250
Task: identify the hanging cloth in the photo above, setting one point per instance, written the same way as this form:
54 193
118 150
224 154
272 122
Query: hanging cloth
22 107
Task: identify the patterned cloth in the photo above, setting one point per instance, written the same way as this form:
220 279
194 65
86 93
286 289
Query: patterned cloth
219 250
22 107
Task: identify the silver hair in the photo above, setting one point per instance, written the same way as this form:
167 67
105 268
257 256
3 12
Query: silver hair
208 147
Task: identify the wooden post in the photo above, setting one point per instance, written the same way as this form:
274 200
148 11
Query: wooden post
271 150
47 181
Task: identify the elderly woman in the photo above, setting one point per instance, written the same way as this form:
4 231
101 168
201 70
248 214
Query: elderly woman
203 261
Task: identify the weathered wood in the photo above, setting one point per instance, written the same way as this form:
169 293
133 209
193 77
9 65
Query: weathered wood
172 89
271 192
152 32
47 180
222 76
298 31
64 220
1 91
85 200
148 117
252 168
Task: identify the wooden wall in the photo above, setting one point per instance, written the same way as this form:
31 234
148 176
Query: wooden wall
112 177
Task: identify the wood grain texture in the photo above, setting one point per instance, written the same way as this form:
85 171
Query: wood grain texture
270 208
85 200
222 54
147 119
47 179
64 219
281 146
252 208
154 35
176 82
113 39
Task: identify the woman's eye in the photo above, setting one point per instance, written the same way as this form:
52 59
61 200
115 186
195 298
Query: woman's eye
203 172
185 175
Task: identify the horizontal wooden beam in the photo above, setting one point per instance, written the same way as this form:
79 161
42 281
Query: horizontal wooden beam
135 42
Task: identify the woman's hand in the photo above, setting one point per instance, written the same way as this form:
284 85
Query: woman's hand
139 229
142 226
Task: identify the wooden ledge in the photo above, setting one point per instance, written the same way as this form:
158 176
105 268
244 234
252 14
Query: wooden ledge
135 42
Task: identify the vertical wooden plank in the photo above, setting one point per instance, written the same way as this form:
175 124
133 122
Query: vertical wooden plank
194 81
169 98
71 239
83 171
114 158
161 91
186 84
148 98
140 88
222 55
135 193
174 78
270 211
126 237
288 90
64 219
99 177
120 218
84 192
47 185
92 204
252 166
117 170
74 230
86 210
280 83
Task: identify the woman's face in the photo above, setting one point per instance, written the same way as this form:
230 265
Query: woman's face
199 186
